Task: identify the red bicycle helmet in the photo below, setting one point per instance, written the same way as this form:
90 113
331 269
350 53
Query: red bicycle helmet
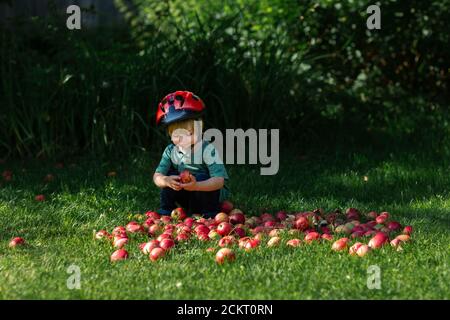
179 105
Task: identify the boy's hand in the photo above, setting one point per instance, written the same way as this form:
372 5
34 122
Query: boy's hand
173 182
190 186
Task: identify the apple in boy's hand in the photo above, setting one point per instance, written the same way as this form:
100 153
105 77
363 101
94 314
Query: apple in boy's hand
185 176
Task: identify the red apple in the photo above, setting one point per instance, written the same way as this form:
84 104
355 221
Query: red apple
178 214
236 217
312 236
188 222
134 227
226 206
40 198
201 228
224 228
294 242
221 217
164 236
352 214
239 232
274 241
185 176
17 241
340 244
118 231
301 223
227 241
211 249
281 215
120 254
408 230
251 244
372 215
166 244
403 237
154 230
378 240
203 237
182 236
394 226
225 255
102 234
119 242
267 217
354 248
327 236
166 219
156 253
149 246
363 250
153 215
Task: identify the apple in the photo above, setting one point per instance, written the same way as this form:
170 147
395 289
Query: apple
164 236
378 240
294 242
354 248
40 198
117 231
251 244
372 215
153 215
178 214
267 217
156 253
149 246
17 241
166 219
166 244
357 234
243 241
395 242
201 228
154 230
240 232
224 228
225 255
274 232
203 237
210 249
213 235
260 236
274 241
340 244
312 236
148 223
102 234
118 255
270 224
221 217
185 176
188 222
403 237
394 226
182 236
363 250
134 227
236 217
227 241
119 242
352 214
281 215
327 236
301 223
257 230
407 230
226 206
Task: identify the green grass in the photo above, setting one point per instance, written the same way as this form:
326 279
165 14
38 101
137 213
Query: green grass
414 188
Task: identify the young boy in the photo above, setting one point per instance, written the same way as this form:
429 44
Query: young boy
181 113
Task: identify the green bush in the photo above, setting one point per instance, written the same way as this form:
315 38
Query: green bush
311 69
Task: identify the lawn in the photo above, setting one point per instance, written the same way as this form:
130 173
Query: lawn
413 187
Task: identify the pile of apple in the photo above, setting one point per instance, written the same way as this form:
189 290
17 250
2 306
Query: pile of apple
351 231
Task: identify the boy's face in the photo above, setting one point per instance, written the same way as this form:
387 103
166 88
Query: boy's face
183 138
